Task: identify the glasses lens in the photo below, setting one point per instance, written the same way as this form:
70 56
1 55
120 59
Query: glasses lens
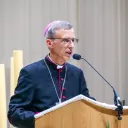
67 40
76 40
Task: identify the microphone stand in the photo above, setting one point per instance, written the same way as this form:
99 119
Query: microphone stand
117 101
119 105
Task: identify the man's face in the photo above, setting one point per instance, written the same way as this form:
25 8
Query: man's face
62 46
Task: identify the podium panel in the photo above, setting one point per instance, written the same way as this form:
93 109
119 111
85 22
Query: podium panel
82 114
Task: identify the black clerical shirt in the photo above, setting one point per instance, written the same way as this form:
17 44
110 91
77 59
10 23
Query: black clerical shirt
35 91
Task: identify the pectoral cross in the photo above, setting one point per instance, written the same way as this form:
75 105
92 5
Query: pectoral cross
58 102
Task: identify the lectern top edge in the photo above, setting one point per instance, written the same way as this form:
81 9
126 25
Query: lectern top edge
77 98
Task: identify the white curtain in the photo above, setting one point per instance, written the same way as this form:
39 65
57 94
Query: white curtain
102 31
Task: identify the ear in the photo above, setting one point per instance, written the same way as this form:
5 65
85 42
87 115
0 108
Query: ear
49 43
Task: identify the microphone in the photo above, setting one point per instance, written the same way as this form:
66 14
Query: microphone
117 100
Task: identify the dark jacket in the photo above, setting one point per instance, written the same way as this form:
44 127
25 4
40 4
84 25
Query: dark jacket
35 91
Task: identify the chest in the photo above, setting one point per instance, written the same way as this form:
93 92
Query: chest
55 85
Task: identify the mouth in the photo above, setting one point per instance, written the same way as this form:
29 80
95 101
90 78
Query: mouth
69 53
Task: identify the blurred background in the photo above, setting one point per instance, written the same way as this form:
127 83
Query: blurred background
100 25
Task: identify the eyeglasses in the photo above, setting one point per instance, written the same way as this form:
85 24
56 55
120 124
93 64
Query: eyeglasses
67 40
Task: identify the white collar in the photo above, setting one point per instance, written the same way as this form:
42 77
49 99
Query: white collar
58 66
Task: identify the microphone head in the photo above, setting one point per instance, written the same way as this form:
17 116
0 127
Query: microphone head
76 56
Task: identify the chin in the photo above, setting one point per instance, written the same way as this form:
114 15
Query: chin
66 58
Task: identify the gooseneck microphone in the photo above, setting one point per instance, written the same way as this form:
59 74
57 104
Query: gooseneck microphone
117 100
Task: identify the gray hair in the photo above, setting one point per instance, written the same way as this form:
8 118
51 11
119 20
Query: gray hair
50 31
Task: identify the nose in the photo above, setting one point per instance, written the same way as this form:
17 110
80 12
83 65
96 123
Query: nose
71 44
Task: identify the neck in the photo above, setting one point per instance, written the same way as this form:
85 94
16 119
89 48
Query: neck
56 59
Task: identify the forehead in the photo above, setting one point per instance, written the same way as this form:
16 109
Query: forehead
62 33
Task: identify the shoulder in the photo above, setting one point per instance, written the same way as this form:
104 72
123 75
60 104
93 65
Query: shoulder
34 67
73 67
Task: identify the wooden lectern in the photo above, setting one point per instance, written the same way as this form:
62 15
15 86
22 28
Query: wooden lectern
81 112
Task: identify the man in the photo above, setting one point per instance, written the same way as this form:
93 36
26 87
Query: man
49 81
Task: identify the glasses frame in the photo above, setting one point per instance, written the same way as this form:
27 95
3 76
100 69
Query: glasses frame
69 40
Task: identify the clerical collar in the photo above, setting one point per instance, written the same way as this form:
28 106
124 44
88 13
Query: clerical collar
54 64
